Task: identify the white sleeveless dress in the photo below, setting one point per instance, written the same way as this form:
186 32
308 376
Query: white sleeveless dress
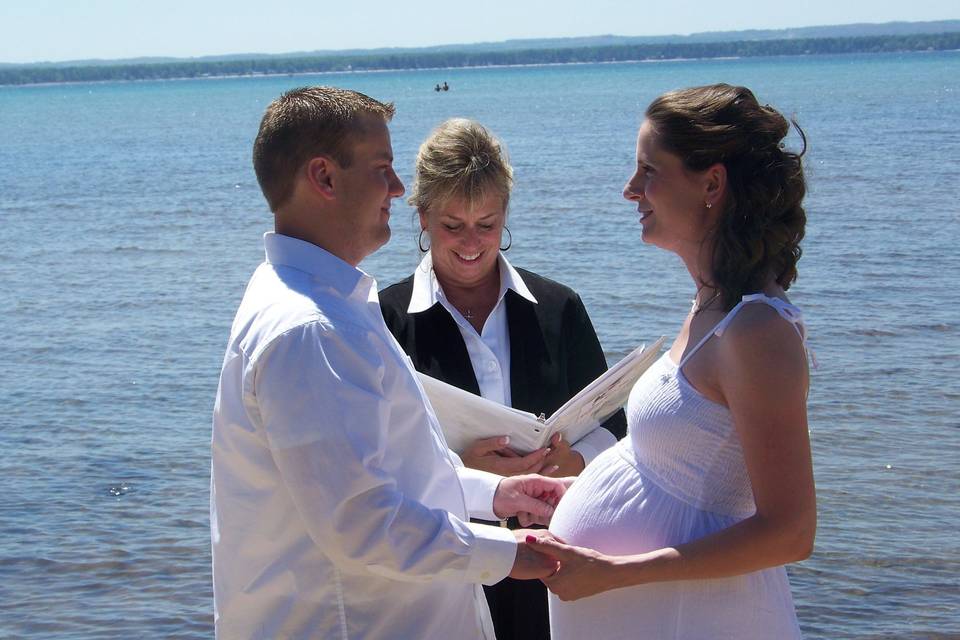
678 476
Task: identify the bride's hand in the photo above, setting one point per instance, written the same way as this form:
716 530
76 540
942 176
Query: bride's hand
582 572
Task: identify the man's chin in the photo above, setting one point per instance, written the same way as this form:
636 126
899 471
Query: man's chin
384 237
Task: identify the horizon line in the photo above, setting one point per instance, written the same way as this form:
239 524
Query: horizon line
147 59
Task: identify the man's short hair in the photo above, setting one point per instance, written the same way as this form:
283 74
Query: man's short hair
305 123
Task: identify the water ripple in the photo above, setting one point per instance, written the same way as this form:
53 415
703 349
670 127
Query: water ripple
119 289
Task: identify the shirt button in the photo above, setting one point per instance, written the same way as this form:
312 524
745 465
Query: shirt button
491 365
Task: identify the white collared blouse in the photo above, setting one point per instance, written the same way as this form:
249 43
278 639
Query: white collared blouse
489 350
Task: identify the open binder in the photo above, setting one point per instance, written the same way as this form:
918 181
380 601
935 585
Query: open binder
465 417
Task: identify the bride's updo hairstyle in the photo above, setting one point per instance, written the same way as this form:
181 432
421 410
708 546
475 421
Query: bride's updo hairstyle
759 230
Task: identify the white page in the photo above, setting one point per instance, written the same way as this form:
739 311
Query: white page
465 417
604 396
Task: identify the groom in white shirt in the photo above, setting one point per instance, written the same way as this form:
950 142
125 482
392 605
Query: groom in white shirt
336 509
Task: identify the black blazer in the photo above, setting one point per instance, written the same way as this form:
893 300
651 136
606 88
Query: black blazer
554 350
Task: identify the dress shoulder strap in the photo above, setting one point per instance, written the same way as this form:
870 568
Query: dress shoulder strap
787 311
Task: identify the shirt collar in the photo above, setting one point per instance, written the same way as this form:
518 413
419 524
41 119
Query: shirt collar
427 291
304 256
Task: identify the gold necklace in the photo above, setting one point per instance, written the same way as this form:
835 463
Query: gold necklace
697 307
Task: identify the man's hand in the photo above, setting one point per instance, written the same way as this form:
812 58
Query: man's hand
562 460
531 498
493 455
530 565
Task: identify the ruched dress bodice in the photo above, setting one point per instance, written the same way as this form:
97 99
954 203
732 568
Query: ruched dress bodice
678 476
687 444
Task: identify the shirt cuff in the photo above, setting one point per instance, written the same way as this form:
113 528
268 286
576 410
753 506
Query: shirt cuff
593 444
493 556
479 487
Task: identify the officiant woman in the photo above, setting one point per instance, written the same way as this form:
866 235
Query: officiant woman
468 317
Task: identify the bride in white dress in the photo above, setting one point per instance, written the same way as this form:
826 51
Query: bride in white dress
681 530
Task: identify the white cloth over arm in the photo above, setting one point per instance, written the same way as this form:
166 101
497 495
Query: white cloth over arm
340 474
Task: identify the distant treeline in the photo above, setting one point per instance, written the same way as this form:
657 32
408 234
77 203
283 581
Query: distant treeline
616 53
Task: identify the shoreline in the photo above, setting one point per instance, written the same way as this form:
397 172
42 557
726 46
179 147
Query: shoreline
233 76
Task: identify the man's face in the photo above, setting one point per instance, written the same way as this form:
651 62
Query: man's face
365 191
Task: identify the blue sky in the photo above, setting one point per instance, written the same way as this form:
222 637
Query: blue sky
37 30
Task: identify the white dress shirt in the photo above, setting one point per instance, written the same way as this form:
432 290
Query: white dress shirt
489 350
336 509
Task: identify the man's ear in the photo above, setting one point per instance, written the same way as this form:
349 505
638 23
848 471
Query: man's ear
715 186
320 173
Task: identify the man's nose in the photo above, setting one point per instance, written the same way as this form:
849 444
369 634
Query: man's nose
396 187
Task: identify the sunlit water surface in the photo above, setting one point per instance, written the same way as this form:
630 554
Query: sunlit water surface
131 220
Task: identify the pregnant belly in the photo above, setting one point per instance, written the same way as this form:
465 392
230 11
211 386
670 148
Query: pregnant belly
614 509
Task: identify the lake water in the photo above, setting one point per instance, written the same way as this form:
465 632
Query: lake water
130 220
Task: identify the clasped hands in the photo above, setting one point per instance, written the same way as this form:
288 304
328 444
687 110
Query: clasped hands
568 571
532 498
575 572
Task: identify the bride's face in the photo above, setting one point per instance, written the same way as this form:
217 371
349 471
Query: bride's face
671 199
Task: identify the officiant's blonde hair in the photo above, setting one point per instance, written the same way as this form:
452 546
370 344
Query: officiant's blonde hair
460 159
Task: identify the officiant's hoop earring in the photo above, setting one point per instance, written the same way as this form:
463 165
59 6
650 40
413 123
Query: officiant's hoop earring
420 241
509 239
